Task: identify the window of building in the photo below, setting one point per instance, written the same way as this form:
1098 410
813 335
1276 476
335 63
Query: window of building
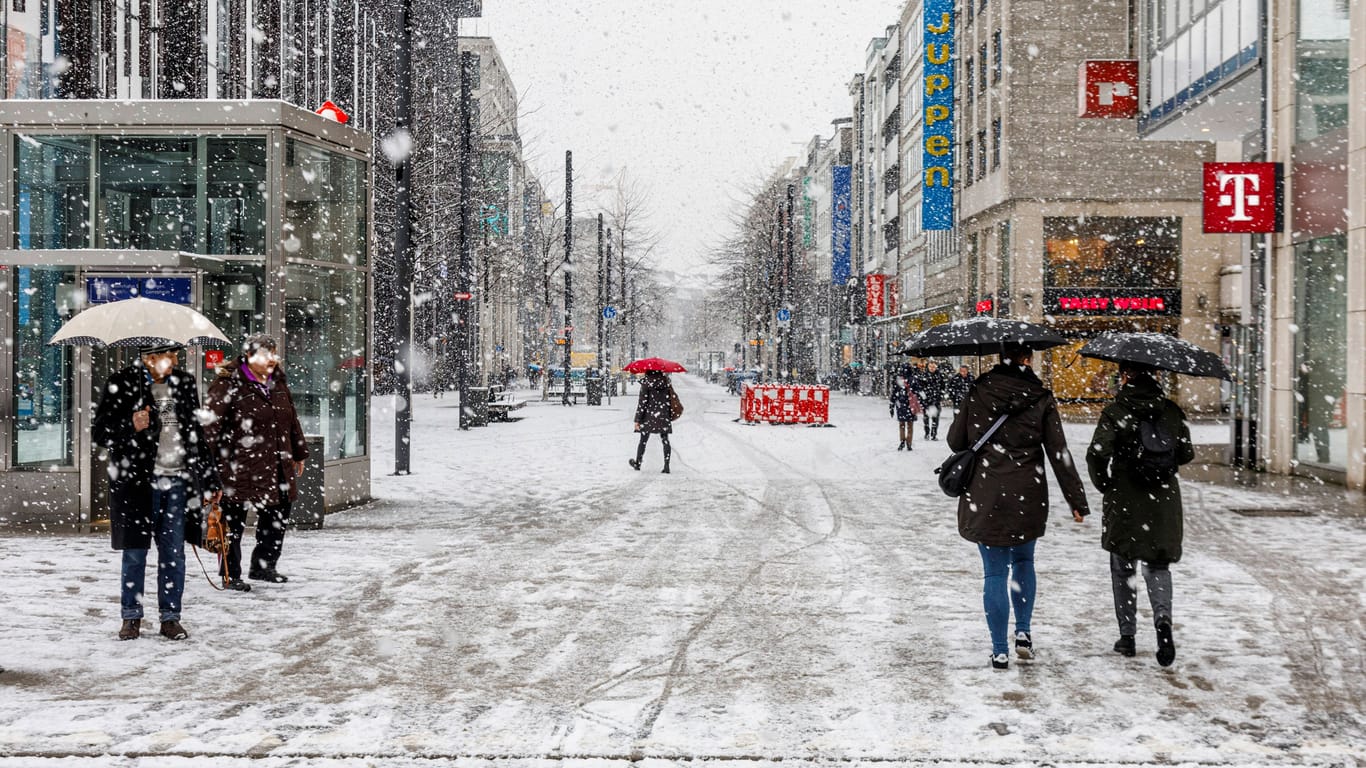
969 162
974 266
148 188
52 192
968 75
982 68
982 154
1321 66
995 143
1321 351
969 13
1106 252
325 352
996 56
1003 259
43 423
235 179
325 205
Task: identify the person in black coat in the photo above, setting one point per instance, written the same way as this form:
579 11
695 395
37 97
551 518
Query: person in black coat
148 421
958 386
904 406
654 415
932 386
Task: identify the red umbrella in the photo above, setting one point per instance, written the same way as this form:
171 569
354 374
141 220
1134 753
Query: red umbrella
654 364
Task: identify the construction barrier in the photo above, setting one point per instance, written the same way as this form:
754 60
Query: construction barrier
785 404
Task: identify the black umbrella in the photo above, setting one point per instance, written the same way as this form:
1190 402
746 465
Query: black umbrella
979 336
1159 350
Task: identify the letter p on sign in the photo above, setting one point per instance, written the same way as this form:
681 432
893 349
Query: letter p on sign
1107 88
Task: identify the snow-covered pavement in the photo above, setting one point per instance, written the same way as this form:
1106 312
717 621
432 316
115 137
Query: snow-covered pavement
787 594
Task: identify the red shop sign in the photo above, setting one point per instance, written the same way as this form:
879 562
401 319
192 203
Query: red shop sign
1242 197
875 288
1108 88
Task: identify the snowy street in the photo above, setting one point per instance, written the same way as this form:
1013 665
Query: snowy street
787 594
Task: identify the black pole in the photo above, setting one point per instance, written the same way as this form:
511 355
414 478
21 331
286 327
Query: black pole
601 302
791 247
626 355
607 300
568 267
464 278
403 254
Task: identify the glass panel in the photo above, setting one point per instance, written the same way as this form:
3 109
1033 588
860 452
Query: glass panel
325 343
52 192
1199 65
325 215
234 299
1321 351
1112 253
147 193
44 298
236 177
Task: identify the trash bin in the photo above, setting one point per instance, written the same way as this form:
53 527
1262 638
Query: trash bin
308 510
595 390
477 415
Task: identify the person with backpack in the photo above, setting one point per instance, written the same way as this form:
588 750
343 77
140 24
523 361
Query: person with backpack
1005 508
1140 443
656 408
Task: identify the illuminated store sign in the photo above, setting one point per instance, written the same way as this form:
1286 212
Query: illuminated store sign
1112 301
1242 197
936 202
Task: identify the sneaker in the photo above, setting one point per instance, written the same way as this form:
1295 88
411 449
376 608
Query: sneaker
1000 661
634 464
1124 646
1024 646
1166 647
171 630
237 585
131 629
272 575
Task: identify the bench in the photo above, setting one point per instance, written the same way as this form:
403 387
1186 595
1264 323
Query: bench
501 405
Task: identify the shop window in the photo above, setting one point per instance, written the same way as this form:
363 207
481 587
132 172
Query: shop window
325 206
236 190
52 192
1106 252
147 193
44 298
1321 351
325 353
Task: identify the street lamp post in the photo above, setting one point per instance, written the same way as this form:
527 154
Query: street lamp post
403 253
464 272
568 267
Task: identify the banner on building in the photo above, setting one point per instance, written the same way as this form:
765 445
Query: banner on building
1242 197
936 201
876 294
841 183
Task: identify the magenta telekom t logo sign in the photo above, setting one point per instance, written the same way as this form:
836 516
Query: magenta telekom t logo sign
1242 197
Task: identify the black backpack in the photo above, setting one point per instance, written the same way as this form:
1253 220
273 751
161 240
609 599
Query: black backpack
1152 451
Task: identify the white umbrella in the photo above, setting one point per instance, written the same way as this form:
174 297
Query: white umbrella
139 322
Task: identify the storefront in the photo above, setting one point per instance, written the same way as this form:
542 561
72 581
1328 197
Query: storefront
255 213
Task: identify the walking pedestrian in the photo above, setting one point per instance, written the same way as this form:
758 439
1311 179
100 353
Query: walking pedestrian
260 446
654 415
904 406
148 422
932 385
1005 509
958 386
1140 442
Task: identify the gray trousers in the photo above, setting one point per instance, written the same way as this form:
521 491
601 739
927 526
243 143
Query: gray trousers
1124 582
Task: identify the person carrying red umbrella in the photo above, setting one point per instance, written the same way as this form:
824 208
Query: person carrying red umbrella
657 406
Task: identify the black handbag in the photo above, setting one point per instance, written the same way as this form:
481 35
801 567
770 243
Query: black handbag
955 474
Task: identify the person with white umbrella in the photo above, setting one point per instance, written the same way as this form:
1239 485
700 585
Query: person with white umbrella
148 420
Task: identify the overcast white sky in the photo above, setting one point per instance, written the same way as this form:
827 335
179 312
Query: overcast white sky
696 99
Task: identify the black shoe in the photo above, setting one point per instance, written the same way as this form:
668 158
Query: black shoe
1024 645
171 630
131 629
665 470
273 576
1124 646
237 585
902 446
1000 661
1166 647
634 464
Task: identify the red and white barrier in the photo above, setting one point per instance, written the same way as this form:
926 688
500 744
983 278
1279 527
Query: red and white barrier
785 404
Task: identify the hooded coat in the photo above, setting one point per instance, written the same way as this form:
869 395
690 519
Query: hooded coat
132 454
1140 520
1007 501
654 406
256 436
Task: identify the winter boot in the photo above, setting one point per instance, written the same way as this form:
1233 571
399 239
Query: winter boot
1000 661
665 470
131 629
237 585
1024 646
1166 647
171 630
902 446
1124 646
634 464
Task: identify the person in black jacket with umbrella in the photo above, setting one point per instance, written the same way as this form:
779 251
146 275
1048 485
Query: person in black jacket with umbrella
159 470
654 415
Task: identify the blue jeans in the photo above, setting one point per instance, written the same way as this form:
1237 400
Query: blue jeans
168 520
998 597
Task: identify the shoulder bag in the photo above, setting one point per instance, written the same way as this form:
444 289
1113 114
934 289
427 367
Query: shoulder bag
955 474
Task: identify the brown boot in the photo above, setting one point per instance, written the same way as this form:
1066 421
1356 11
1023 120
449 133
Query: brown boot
131 629
171 630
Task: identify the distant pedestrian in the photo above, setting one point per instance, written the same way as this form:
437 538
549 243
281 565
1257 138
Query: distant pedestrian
1141 440
148 421
1005 509
904 406
958 386
260 447
654 415
932 386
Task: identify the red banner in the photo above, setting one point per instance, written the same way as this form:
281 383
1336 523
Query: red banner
875 289
1242 197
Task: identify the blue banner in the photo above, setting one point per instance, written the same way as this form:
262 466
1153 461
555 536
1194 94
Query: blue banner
176 290
936 201
840 221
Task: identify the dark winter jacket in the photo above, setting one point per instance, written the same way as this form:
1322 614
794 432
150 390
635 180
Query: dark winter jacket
1007 501
932 386
256 436
132 454
905 404
654 407
957 388
1142 519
